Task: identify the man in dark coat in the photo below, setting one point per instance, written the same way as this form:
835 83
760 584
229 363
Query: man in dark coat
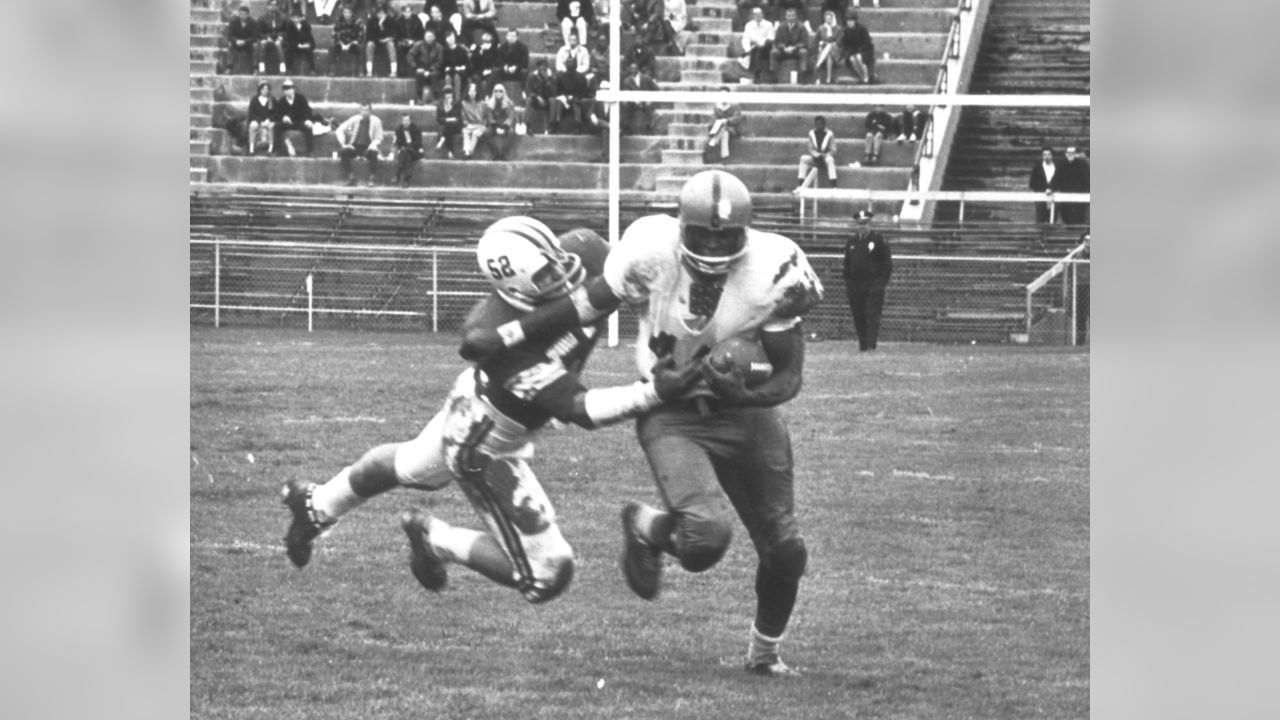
242 40
293 112
1045 177
300 44
1075 179
408 146
868 264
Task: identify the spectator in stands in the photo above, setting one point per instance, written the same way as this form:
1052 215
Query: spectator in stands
829 33
912 123
1075 179
502 122
293 114
821 152
324 10
300 44
475 120
879 125
409 31
271 28
360 136
676 15
242 40
456 66
839 7
426 62
637 117
1045 178
576 18
262 108
486 65
539 94
437 22
513 58
408 147
598 65
478 16
571 84
598 117
348 34
790 44
641 55
381 32
449 120
726 125
858 50
449 11
757 43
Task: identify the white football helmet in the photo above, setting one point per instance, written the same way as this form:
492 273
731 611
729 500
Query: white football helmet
525 263
715 210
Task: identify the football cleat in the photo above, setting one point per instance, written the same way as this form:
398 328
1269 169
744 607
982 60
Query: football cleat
427 567
770 666
641 560
306 525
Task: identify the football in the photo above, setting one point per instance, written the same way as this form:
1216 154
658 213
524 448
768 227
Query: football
743 356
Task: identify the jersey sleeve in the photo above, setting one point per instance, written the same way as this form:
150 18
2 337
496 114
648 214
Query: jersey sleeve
796 288
634 263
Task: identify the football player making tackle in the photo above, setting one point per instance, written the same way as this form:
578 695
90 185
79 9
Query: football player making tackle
483 436
700 280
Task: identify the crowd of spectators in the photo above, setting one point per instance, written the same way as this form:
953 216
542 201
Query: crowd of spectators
780 44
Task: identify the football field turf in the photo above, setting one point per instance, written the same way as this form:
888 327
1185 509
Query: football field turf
943 492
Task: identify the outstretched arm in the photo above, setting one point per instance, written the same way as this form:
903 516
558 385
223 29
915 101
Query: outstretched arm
582 306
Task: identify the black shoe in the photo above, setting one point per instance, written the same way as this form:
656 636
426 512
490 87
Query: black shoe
427 567
641 561
305 527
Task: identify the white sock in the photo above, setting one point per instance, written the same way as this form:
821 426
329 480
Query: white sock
644 523
336 498
452 543
762 647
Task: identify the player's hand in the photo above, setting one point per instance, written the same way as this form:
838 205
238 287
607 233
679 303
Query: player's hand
671 381
730 385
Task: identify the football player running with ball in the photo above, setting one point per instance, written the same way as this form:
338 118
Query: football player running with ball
700 280
483 436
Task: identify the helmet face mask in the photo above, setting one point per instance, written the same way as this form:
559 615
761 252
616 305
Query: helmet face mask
715 210
524 262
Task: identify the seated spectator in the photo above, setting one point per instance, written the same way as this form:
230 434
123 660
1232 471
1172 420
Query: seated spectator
790 44
409 30
502 122
380 33
456 64
726 125
324 10
449 120
437 22
242 41
676 16
858 50
408 148
598 118
912 122
879 125
821 152
475 120
572 91
539 94
1075 179
575 17
360 136
637 117
641 55
757 43
449 11
262 108
513 58
426 62
839 7
293 114
271 28
300 44
347 36
829 33
598 65
486 65
478 16
571 50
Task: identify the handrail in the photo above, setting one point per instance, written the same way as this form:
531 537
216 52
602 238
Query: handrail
1069 260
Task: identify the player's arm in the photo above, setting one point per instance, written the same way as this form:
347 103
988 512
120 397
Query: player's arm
597 407
582 306
785 349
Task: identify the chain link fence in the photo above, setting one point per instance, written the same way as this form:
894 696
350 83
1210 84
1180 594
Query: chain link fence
946 299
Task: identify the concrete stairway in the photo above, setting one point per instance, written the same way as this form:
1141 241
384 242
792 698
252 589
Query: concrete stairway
206 28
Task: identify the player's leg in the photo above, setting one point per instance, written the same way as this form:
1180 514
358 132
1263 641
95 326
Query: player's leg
759 481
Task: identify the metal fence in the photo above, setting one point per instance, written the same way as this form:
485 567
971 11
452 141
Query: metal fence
321 285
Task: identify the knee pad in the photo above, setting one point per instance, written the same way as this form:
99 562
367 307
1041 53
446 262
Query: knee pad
786 558
701 541
560 578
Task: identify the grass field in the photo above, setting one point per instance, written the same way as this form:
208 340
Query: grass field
943 492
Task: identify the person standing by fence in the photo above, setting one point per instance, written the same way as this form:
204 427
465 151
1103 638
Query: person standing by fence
868 263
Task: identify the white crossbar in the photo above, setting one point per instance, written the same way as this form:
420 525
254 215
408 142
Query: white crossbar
711 97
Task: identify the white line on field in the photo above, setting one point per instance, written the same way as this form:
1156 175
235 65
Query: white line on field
969 587
921 475
338 419
236 546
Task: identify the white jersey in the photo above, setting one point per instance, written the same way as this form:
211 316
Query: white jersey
766 290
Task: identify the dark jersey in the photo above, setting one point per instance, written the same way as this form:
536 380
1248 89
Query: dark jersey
537 380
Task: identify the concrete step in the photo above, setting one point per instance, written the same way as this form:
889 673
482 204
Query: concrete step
199 174
202 68
681 157
546 176
201 93
200 120
787 151
206 15
199 147
202 107
205 41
